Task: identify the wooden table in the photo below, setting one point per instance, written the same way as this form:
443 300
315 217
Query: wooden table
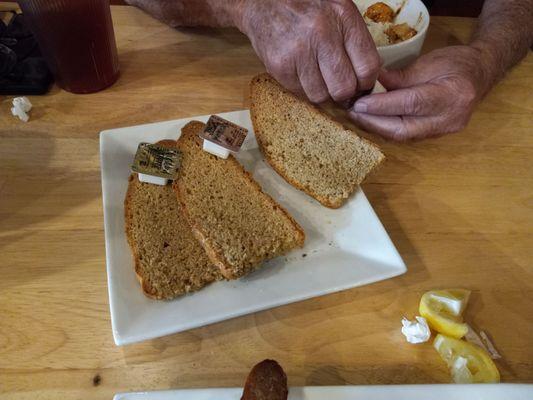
459 209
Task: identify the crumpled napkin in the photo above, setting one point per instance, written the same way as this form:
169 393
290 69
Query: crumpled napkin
416 331
21 107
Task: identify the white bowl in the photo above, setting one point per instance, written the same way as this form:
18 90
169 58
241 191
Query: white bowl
416 15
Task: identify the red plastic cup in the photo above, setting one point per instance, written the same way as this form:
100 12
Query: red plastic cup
77 40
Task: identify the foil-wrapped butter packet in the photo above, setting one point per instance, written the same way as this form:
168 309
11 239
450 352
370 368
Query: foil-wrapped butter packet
156 164
222 136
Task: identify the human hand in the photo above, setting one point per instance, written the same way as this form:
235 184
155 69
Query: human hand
433 96
318 48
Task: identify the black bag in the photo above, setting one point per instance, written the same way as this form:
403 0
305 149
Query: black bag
22 67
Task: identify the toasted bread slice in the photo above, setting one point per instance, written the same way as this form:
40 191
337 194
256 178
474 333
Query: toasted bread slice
169 261
266 381
238 225
306 147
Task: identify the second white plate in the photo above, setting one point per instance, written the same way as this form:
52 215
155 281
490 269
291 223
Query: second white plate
344 248
379 392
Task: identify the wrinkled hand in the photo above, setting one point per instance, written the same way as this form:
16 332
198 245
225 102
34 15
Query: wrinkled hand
433 96
318 48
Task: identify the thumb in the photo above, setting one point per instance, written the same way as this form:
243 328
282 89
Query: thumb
395 78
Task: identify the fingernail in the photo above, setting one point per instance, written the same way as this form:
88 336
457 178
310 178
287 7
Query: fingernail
360 106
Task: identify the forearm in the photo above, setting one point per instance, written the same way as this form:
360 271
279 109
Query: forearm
213 13
503 36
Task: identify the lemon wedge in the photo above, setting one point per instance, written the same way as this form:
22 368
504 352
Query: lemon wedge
443 310
468 363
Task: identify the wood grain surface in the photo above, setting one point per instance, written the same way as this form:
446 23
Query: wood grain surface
459 209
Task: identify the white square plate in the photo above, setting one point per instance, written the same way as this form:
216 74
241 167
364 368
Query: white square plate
344 248
381 392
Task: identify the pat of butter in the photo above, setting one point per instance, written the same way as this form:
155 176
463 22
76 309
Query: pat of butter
155 164
215 149
156 180
222 136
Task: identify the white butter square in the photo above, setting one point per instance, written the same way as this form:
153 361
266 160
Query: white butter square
156 180
215 149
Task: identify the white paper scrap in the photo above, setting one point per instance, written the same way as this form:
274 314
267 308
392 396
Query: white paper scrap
21 107
416 331
483 341
379 88
490 347
472 337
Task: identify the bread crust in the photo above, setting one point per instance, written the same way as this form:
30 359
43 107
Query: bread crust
133 245
325 201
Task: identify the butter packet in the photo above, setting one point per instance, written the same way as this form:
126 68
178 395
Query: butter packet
155 164
222 136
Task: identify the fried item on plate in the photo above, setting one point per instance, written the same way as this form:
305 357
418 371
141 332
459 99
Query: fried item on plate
266 381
